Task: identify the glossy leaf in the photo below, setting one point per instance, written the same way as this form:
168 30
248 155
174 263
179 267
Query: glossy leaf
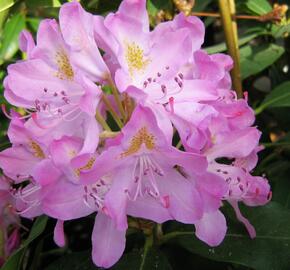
14 262
266 252
11 32
255 59
278 97
222 46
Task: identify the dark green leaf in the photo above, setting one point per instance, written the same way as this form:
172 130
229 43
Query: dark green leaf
201 5
254 59
13 263
154 259
11 32
268 251
73 261
82 261
278 97
222 46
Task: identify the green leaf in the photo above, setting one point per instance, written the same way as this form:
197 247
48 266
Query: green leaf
268 251
153 6
222 46
201 5
73 261
280 30
5 4
258 7
278 97
255 59
33 23
43 3
14 261
153 259
11 32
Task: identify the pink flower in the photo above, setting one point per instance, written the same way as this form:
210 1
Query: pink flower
27 157
65 168
9 221
84 52
153 180
58 95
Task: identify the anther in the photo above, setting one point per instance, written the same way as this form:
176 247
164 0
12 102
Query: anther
163 88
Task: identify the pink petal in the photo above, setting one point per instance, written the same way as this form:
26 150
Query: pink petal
85 53
148 208
211 228
250 228
59 236
108 242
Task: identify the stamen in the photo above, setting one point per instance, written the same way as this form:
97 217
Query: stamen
142 137
135 58
171 104
65 70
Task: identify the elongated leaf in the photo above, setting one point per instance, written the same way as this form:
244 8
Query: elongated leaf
13 263
254 59
43 3
279 97
11 32
5 4
268 251
222 46
258 7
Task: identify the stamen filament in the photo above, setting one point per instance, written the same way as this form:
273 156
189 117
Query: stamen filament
102 121
112 111
117 98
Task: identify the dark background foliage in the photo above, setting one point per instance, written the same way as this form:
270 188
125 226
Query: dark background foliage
265 60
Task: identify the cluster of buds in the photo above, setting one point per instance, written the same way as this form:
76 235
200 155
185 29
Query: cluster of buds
104 98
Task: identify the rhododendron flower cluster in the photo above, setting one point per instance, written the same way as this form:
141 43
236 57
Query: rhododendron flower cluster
104 98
